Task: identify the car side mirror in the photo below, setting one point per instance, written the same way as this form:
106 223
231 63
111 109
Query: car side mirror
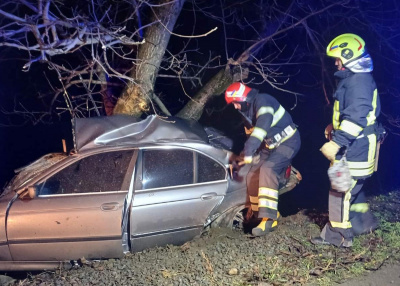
27 193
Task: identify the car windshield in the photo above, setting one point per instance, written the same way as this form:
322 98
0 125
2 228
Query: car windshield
26 173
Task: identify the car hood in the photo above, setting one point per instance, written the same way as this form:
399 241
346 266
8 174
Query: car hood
127 130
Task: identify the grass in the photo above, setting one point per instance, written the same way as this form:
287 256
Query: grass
307 264
369 252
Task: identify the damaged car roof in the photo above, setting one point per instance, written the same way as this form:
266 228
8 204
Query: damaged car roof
116 130
128 130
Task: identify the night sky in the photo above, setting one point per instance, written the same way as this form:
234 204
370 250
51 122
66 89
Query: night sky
21 142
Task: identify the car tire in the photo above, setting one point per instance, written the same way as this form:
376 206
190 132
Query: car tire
238 219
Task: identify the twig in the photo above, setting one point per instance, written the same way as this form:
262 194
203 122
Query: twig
183 36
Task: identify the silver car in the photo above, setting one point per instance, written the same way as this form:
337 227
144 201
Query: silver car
128 185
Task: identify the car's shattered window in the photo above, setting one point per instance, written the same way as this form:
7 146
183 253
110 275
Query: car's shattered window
103 172
209 170
26 173
165 168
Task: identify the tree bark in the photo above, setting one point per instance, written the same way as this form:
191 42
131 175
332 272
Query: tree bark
138 95
214 87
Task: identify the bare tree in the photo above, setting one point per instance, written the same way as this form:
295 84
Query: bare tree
74 41
122 49
108 57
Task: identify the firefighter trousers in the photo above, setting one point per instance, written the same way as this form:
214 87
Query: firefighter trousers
349 215
263 178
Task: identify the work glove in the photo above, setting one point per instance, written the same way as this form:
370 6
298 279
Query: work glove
251 159
330 150
248 131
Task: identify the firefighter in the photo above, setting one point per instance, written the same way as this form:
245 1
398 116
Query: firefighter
272 143
355 109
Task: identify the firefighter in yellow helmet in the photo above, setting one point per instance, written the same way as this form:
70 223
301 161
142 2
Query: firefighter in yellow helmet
355 130
274 139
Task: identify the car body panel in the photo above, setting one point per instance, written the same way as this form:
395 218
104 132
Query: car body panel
4 250
66 227
179 217
174 214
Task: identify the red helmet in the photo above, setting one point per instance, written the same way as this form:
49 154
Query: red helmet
236 92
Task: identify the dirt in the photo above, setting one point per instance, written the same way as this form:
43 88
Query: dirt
230 257
387 275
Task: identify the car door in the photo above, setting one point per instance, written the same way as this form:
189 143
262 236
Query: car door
77 212
176 189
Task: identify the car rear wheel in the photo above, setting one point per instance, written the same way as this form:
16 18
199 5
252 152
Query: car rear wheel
239 219
244 220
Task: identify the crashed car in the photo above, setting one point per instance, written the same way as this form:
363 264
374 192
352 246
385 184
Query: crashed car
127 186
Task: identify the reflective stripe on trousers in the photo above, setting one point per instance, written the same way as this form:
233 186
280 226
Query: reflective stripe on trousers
339 229
263 178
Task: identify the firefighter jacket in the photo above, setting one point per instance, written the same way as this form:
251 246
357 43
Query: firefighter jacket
355 110
270 121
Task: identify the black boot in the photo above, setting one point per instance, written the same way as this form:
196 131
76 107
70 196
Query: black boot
265 227
363 223
319 241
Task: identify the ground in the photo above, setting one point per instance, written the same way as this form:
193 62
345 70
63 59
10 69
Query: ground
387 275
229 257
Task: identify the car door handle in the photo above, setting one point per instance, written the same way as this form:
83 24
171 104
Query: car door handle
109 206
208 196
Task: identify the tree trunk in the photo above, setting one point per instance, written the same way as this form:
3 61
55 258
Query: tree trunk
137 96
214 87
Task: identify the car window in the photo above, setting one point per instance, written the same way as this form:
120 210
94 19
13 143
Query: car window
103 172
165 168
209 170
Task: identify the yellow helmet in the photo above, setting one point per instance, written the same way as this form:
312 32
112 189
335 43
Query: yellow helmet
347 47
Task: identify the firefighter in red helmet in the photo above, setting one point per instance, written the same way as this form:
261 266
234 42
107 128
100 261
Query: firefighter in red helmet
274 139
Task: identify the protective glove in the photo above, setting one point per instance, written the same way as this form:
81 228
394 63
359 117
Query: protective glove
248 159
251 159
330 150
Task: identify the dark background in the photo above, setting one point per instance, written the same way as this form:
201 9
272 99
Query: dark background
22 142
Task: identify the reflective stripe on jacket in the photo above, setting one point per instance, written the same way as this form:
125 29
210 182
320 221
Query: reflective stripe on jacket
355 110
268 118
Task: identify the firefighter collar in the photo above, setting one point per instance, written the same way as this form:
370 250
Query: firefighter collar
343 73
251 95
